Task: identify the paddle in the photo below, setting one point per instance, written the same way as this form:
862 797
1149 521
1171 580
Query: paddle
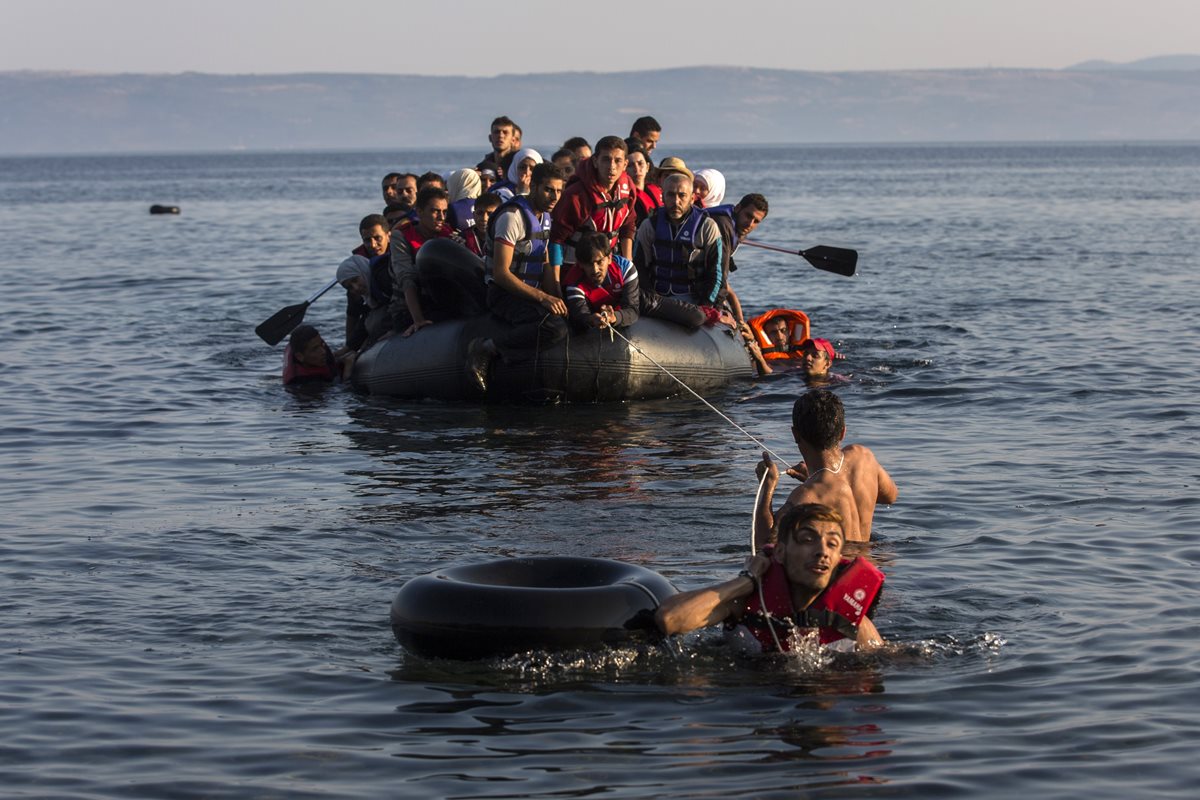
840 260
285 320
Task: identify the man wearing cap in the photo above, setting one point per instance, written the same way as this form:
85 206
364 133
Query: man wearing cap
678 249
848 479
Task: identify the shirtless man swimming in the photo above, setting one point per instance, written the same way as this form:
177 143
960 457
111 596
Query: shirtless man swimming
848 479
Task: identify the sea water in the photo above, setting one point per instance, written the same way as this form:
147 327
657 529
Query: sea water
197 563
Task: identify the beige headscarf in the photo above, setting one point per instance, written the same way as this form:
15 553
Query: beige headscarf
464 184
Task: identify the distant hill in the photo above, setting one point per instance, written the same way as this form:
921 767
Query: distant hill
1180 62
42 112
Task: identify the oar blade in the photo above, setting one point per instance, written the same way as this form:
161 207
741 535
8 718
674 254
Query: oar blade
281 323
839 260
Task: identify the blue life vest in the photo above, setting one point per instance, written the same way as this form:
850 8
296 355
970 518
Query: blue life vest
674 254
461 214
727 212
529 254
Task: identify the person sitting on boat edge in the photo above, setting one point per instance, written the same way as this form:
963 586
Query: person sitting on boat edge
307 359
735 222
802 583
522 287
599 197
678 254
601 288
413 305
849 479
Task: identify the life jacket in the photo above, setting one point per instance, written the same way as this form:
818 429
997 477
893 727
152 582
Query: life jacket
529 254
504 188
609 210
461 215
798 332
836 613
610 291
413 236
647 202
716 213
295 372
675 254
381 280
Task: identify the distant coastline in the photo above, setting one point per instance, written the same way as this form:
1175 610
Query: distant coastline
63 113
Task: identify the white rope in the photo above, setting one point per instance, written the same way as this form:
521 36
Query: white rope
714 409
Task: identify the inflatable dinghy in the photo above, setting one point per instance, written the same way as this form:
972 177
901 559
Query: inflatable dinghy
588 366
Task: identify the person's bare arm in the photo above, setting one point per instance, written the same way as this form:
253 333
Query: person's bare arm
699 608
888 493
868 635
764 518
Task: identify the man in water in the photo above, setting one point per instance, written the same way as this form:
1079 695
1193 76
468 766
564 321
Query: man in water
848 479
817 357
795 580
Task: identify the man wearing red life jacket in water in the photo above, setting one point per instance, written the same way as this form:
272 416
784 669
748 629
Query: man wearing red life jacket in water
803 583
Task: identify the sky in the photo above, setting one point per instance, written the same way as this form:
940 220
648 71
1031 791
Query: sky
468 37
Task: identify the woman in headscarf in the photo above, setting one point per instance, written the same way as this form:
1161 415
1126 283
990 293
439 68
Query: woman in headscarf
520 173
710 188
464 186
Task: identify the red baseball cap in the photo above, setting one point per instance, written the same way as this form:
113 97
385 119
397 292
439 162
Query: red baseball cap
821 345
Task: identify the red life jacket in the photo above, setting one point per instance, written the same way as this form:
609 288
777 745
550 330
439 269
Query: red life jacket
836 613
295 372
610 292
608 210
408 230
798 332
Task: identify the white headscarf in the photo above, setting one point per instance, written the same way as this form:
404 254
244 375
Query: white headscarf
716 186
463 183
528 152
357 267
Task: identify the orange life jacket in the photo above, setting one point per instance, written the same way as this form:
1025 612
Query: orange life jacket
798 331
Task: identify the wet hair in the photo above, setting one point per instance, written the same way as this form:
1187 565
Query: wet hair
301 337
546 171
645 125
591 245
430 179
611 143
502 121
430 193
575 142
819 418
753 199
371 220
488 201
794 518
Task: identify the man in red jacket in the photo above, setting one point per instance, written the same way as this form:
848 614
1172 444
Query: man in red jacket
599 197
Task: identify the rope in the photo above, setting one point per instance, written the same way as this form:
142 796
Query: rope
713 408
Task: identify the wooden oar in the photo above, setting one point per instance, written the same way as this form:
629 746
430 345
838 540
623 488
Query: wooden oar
285 320
840 260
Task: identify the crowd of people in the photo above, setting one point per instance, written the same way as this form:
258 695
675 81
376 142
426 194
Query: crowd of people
599 236
658 240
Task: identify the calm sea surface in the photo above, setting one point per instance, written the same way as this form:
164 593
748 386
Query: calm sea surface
196 564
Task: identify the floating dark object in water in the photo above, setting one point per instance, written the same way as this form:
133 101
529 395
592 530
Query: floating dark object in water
157 209
516 604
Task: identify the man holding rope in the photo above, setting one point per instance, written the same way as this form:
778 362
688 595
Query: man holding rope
803 583
849 479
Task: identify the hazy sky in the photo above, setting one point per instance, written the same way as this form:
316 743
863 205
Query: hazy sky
466 37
